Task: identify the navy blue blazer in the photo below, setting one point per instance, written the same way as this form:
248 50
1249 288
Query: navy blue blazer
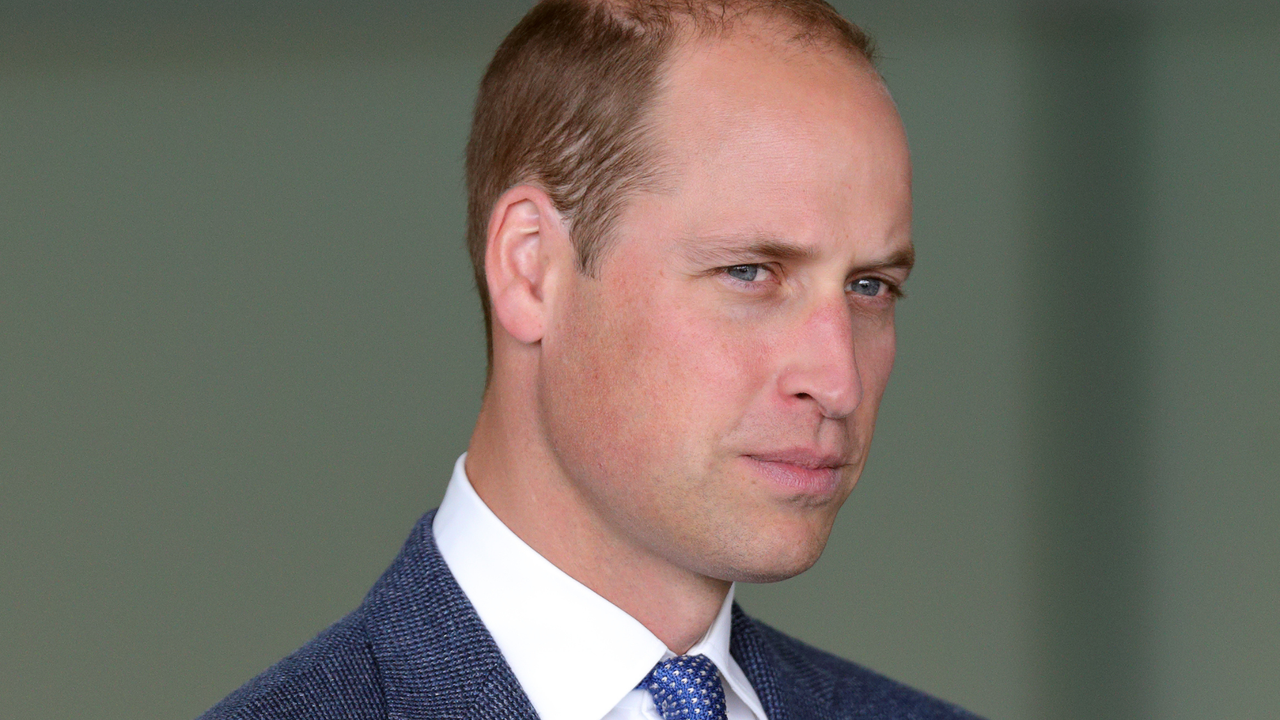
415 648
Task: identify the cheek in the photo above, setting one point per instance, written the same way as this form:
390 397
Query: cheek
613 381
689 372
875 348
685 374
649 379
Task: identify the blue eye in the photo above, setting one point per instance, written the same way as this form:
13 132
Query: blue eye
745 273
869 287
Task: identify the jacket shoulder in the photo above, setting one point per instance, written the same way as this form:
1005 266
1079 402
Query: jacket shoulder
839 688
332 677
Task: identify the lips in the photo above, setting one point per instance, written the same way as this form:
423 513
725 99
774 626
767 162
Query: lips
811 459
808 472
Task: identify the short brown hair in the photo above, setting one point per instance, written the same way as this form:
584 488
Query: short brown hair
564 103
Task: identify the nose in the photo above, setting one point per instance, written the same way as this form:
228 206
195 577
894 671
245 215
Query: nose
821 364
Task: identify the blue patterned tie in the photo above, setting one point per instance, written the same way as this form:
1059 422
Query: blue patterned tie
686 688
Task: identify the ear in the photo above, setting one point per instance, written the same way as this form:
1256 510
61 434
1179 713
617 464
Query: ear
524 252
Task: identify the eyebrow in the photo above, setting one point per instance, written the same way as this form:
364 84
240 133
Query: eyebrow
904 259
730 249
733 248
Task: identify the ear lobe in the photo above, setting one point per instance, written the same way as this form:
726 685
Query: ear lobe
519 260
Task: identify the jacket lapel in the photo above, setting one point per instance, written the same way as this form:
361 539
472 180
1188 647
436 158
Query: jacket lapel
436 658
784 693
438 661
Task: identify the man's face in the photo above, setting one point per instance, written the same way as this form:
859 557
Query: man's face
712 392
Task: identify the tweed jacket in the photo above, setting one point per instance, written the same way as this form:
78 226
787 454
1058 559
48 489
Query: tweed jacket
415 649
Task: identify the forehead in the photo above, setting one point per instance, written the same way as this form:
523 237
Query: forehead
780 138
759 84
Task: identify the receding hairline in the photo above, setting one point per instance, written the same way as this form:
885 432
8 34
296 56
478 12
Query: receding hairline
690 19
683 45
686 36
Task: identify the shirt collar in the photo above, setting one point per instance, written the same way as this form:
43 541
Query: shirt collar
545 622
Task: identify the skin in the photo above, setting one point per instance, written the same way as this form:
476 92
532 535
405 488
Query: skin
697 412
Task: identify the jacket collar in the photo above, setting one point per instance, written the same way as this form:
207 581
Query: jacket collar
760 664
437 660
435 656
782 671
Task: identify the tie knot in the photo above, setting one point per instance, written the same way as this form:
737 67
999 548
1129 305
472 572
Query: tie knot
686 688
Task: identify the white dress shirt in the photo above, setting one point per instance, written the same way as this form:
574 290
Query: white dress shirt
546 623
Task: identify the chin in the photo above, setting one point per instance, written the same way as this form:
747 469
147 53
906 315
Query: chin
774 572
779 561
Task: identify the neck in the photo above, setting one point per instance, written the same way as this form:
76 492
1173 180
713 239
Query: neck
519 479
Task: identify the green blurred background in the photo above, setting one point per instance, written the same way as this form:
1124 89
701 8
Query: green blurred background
240 349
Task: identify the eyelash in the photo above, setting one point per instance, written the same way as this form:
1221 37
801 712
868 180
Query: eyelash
892 289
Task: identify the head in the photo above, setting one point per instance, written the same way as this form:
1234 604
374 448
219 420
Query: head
566 105
690 223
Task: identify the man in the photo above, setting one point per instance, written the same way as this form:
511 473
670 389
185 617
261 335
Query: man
690 222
